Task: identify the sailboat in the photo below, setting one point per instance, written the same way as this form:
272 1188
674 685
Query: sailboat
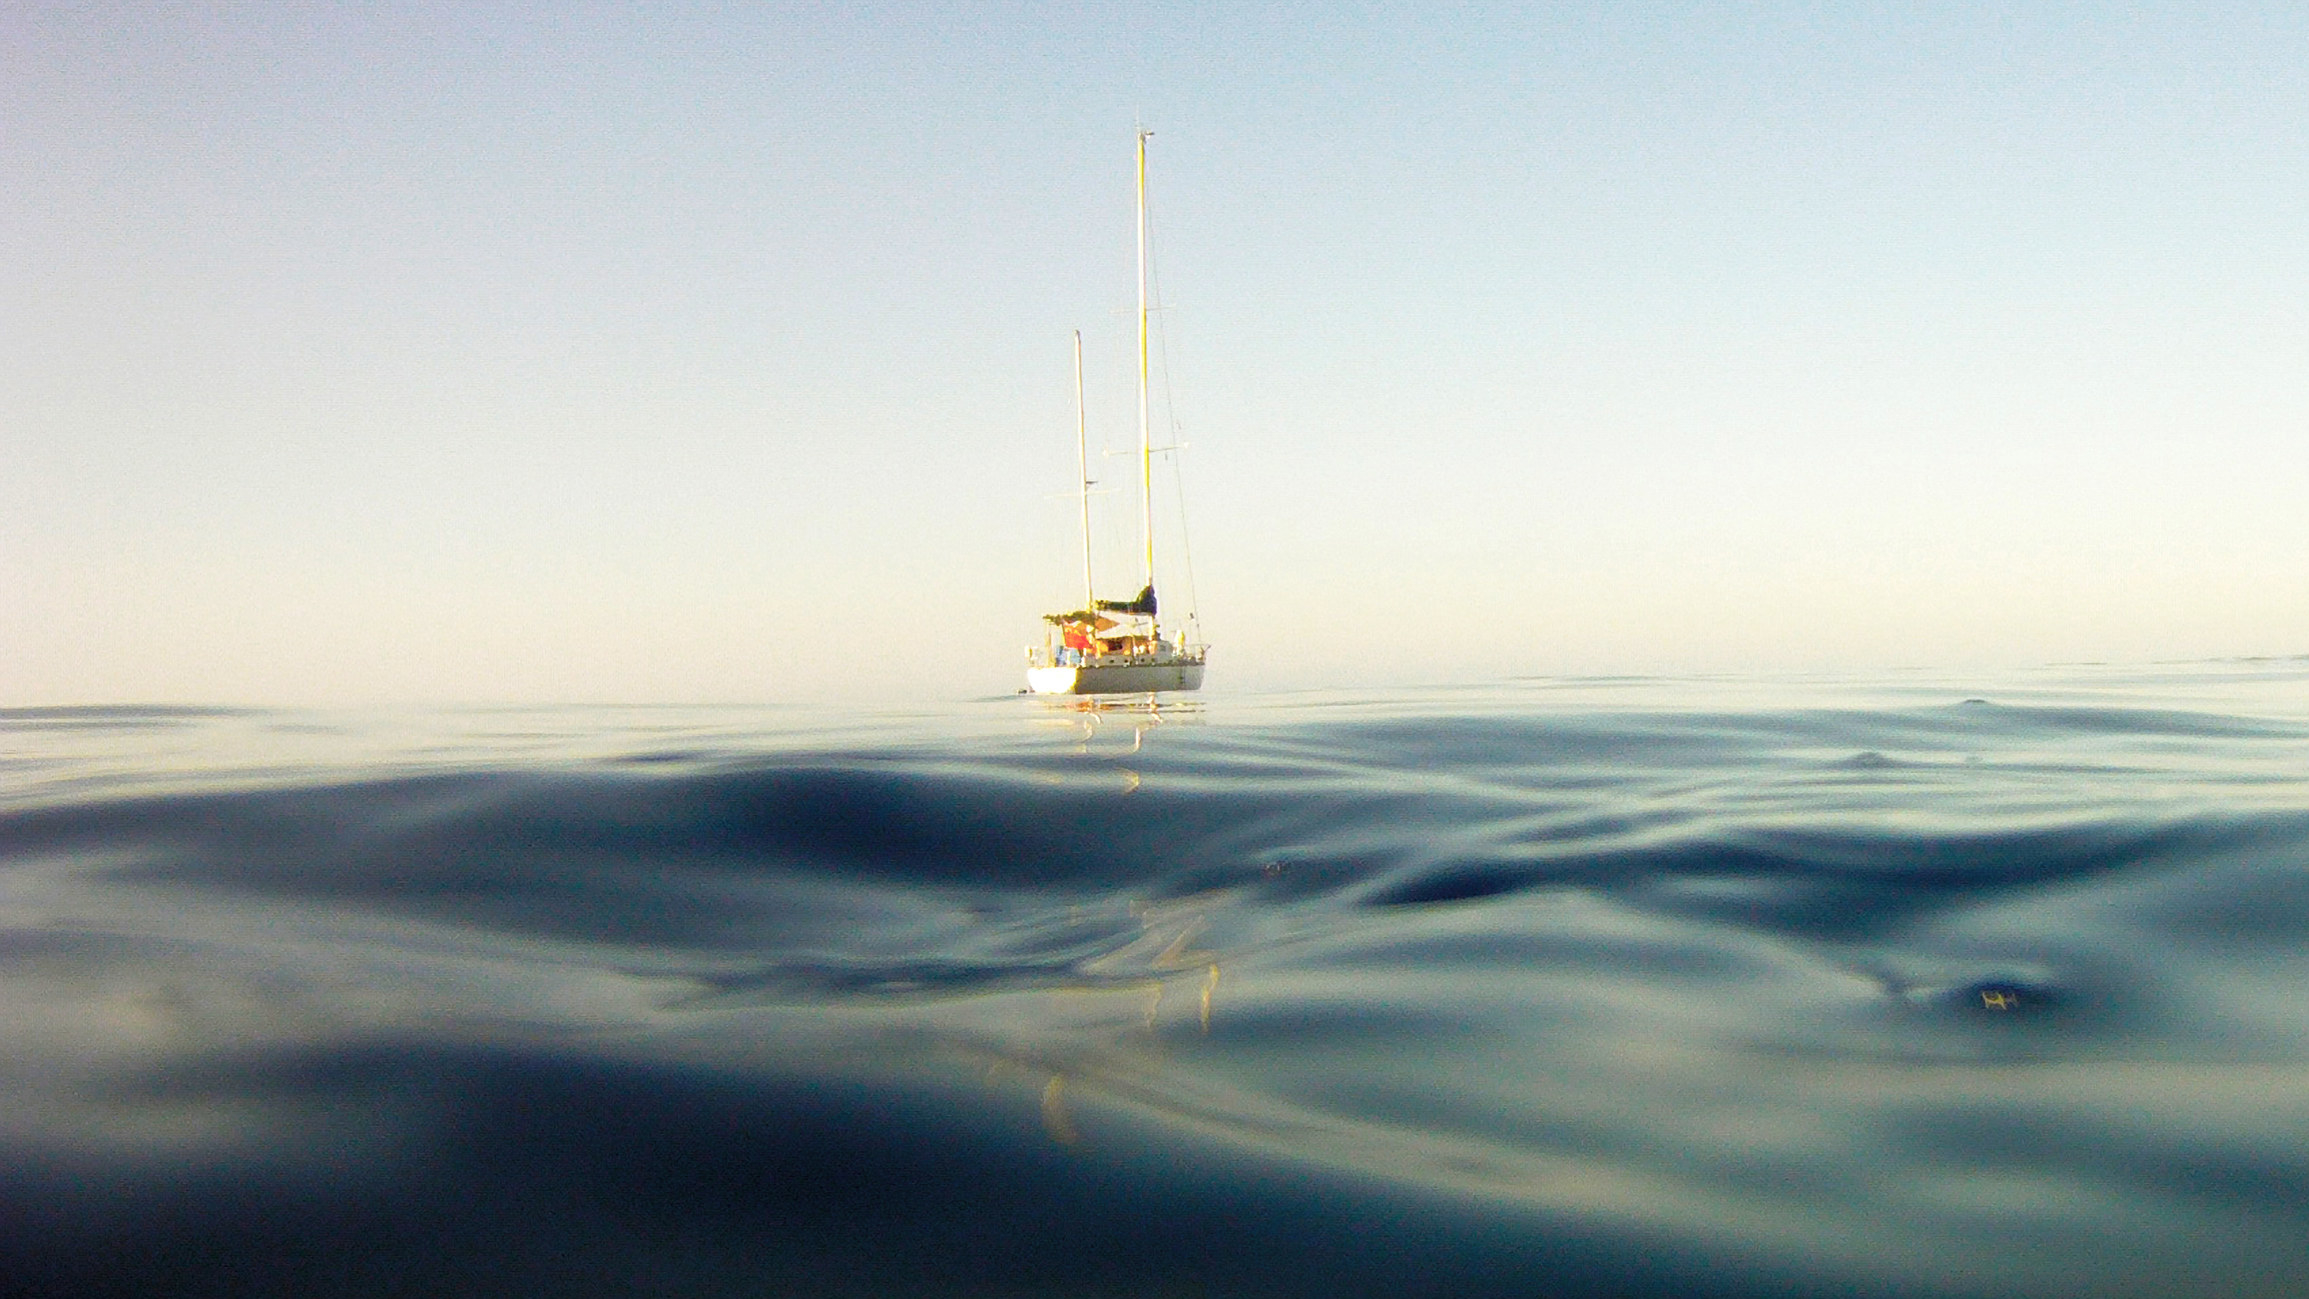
1117 646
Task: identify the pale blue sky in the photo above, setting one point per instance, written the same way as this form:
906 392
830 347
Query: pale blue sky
697 353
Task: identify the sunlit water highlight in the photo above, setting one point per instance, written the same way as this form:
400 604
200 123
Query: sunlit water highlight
1908 986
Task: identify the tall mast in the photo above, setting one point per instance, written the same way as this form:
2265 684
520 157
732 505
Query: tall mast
1145 428
1082 455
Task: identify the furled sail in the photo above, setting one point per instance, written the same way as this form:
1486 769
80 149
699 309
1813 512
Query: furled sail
1144 605
1084 617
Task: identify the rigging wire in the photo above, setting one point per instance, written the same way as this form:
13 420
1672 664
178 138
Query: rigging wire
1171 416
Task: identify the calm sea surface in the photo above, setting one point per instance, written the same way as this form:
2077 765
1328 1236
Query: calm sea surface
1914 985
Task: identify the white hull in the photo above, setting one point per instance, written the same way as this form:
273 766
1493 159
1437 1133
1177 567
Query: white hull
1115 678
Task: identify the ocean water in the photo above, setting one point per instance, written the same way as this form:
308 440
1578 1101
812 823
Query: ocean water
1912 985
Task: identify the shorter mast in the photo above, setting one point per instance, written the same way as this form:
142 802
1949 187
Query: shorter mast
1145 427
1082 456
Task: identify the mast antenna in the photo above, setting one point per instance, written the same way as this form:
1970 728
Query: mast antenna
1082 458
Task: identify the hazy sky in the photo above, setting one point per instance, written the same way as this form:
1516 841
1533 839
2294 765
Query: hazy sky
693 352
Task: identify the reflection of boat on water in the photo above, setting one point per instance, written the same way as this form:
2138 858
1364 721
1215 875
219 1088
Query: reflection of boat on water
1118 646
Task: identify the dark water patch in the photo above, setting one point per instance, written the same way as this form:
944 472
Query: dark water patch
481 836
1986 860
1518 744
2134 723
124 713
897 978
558 1174
1460 882
1661 954
668 758
682 858
2254 900
2152 1164
1819 880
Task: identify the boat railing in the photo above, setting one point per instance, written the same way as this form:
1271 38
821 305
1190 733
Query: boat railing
1049 656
